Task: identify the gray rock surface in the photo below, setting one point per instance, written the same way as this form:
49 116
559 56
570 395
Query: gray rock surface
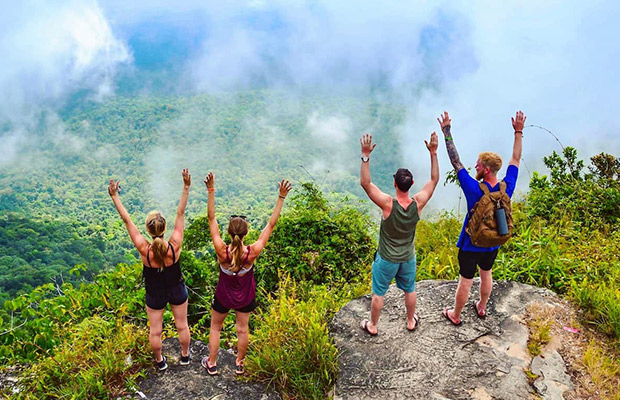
553 379
193 382
481 359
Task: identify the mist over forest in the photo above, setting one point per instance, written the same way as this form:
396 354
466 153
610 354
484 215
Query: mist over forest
258 91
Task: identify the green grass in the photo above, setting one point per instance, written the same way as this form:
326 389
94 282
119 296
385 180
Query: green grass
99 359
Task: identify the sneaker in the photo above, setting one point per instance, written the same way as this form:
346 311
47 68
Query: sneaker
162 365
184 360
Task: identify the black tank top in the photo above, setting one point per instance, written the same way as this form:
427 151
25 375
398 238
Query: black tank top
156 279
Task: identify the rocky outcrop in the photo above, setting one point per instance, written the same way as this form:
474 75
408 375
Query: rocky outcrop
481 359
193 382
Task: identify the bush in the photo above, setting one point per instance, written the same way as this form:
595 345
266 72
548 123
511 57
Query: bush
317 243
98 359
291 348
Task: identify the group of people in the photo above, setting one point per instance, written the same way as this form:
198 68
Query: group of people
394 259
163 280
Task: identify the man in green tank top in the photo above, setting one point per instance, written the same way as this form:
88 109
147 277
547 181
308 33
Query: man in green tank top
395 257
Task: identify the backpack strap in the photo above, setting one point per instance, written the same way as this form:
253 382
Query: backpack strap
484 188
502 186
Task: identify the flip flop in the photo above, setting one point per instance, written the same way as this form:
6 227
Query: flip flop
481 316
211 369
416 319
240 367
445 314
364 326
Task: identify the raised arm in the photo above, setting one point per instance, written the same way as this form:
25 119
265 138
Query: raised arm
384 201
517 123
214 229
177 235
136 237
445 122
283 188
424 195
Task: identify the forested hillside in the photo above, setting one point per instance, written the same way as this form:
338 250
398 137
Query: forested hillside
56 210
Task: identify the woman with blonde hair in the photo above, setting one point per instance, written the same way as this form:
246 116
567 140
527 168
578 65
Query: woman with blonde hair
236 287
161 270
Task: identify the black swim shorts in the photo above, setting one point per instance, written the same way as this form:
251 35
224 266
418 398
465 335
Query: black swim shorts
175 295
470 260
217 306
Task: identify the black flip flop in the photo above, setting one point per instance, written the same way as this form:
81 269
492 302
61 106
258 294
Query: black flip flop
445 314
481 316
416 319
364 326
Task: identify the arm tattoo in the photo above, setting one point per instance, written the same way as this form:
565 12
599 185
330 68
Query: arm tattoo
452 153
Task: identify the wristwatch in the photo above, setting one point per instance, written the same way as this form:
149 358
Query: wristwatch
365 158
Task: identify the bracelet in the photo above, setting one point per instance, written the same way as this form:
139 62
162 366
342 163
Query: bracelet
448 138
282 197
521 132
211 189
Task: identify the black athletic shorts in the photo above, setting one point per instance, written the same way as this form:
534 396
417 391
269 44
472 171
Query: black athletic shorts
470 260
217 306
175 295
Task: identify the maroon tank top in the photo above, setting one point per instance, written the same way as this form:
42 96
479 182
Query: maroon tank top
234 291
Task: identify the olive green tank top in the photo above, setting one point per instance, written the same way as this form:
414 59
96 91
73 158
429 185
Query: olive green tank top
397 233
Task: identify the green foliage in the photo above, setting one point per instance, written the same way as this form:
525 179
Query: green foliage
601 303
99 358
36 322
35 251
589 200
291 348
318 243
436 253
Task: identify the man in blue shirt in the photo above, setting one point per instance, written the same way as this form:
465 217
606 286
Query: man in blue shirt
471 257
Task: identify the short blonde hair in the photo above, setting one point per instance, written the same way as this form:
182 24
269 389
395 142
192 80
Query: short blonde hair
490 160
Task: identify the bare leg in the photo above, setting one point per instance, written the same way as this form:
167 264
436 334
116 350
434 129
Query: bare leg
410 302
486 286
243 320
156 318
376 305
217 321
180 321
462 293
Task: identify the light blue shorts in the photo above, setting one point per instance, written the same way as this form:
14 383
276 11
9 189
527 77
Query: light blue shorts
384 271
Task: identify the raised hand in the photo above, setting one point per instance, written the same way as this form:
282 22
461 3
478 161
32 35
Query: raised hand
519 121
444 121
284 187
187 178
210 181
114 188
367 145
432 146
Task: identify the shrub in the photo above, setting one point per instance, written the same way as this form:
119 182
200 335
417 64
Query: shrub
318 243
99 359
291 348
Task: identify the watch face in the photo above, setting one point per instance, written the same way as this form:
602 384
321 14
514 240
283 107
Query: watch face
365 159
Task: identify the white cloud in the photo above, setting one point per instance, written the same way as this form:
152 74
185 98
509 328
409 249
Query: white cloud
50 51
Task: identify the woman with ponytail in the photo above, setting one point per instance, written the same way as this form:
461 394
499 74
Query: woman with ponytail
161 270
236 287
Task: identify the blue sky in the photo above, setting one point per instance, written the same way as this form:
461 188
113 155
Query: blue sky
482 61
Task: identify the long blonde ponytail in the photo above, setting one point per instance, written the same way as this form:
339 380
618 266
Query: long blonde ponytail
156 226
